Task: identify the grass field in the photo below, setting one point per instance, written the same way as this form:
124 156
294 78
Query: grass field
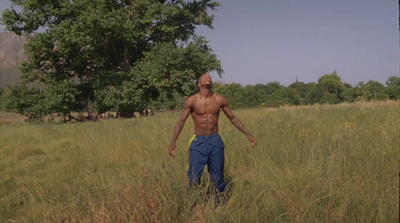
322 163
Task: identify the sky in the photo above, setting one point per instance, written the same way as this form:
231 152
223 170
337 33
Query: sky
262 41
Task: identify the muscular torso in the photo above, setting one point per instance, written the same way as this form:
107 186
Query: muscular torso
205 114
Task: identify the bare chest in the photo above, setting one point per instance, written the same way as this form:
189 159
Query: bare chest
206 106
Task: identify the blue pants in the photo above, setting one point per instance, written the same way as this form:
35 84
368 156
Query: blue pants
207 150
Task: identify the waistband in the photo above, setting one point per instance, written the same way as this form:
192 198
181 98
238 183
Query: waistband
207 136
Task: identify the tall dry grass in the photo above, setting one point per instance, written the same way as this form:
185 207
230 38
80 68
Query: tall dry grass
320 163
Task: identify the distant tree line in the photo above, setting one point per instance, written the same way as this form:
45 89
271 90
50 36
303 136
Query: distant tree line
328 90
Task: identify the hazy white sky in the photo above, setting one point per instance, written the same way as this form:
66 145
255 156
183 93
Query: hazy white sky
261 41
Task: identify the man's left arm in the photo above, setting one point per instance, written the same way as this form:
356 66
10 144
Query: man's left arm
236 122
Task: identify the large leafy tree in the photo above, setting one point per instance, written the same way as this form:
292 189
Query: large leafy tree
112 54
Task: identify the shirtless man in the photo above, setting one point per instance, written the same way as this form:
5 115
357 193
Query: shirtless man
206 146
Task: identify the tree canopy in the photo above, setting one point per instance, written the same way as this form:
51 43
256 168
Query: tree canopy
110 54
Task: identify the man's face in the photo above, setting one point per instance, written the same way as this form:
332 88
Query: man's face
205 80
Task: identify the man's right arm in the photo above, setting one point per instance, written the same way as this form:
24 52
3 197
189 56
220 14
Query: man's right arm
179 125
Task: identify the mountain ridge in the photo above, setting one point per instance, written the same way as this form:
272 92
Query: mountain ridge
11 55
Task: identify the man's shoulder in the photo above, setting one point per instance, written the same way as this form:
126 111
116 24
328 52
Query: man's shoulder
219 97
191 99
221 100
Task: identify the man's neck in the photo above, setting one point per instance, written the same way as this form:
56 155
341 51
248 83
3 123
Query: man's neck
205 92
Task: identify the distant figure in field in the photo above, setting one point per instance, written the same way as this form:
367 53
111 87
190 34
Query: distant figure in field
90 114
109 115
145 112
151 112
206 146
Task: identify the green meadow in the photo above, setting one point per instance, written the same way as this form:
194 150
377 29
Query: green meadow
321 163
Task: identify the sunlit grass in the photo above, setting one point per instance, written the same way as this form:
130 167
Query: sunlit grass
321 163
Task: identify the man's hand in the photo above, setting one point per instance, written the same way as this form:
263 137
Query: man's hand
252 140
171 150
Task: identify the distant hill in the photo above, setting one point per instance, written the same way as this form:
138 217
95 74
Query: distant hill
11 55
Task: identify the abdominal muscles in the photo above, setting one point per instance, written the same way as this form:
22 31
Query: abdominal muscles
206 124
